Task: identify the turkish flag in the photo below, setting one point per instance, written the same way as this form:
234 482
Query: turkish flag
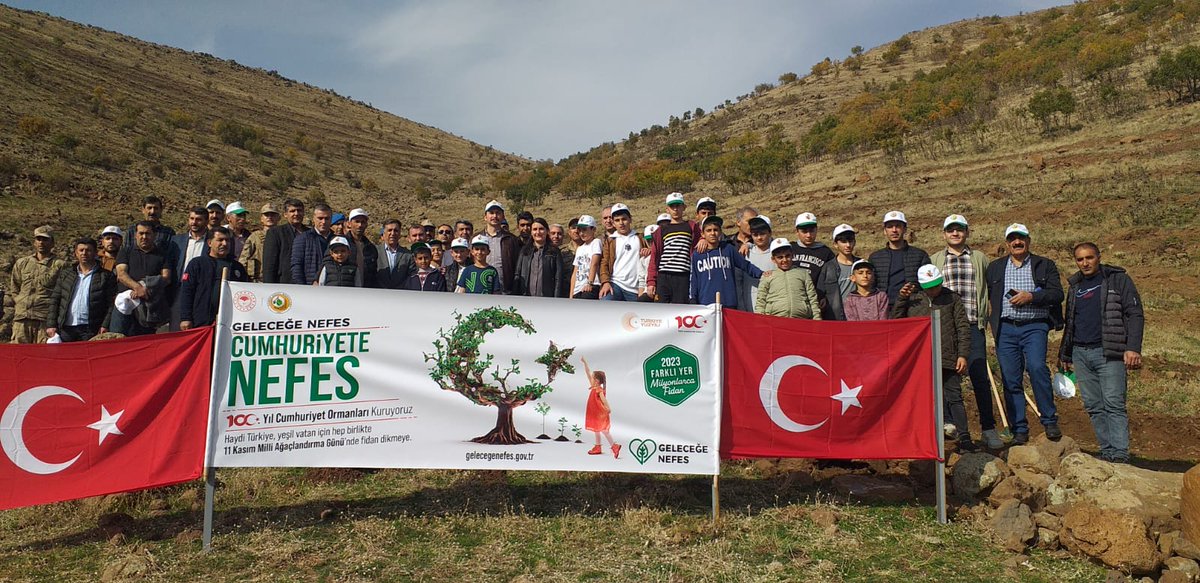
814 389
83 419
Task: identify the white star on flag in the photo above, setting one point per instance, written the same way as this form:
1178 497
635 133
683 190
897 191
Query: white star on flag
848 397
107 425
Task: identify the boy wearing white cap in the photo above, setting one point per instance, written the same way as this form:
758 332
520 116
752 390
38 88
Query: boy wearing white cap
585 276
620 257
896 264
337 268
787 291
479 277
836 280
111 240
668 276
956 340
460 257
964 269
811 254
1026 302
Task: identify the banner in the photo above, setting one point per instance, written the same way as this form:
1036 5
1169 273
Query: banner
89 418
334 377
843 390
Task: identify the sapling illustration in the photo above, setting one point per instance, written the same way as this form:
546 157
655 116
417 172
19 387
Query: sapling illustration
562 429
543 408
578 431
458 367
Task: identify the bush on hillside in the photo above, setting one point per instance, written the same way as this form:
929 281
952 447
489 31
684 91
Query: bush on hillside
788 78
33 126
181 119
1050 105
239 135
1178 74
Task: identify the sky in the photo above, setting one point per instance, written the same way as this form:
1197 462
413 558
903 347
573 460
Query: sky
542 79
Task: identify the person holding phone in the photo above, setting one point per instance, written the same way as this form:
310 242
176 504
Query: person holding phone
896 264
1026 297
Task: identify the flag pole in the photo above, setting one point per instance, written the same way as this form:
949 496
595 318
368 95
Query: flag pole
940 466
210 473
720 364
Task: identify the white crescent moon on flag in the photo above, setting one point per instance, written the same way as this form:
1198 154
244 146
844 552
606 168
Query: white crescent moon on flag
768 391
12 423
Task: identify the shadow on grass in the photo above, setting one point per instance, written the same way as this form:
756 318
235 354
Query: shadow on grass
484 494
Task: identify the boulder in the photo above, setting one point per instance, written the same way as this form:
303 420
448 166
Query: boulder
1174 577
1118 539
1029 457
1047 520
1013 526
976 473
868 489
1046 539
1184 565
1028 487
1166 541
1189 504
1149 495
1054 451
1185 548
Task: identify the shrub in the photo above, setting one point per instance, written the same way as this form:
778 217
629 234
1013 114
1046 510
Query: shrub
1177 73
239 135
57 177
64 141
10 168
32 126
822 68
181 119
788 78
1045 106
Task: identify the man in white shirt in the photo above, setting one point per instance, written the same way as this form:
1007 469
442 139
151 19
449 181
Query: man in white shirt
619 258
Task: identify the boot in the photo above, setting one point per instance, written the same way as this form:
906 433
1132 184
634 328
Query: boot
595 450
616 448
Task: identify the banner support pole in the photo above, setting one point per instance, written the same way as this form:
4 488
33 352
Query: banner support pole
716 480
940 467
210 473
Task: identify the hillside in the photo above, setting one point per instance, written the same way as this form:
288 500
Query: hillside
95 120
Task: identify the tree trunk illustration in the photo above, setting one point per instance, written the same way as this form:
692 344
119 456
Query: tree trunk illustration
505 433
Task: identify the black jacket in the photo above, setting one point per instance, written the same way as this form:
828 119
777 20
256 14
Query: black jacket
434 281
387 277
914 258
370 253
552 272
277 254
200 288
955 327
101 291
1045 277
340 274
831 308
1122 321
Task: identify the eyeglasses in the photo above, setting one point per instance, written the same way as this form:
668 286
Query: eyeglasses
445 232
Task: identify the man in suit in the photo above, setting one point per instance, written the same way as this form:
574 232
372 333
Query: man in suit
393 262
277 244
185 247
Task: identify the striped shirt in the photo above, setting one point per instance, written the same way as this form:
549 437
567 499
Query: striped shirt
677 249
1020 278
960 278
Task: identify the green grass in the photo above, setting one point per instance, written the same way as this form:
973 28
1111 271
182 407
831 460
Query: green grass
481 526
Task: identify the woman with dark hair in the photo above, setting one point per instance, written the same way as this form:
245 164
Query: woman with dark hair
540 271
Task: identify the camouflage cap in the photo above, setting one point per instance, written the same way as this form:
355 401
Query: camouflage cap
44 231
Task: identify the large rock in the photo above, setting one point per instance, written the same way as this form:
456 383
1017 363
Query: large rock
1023 485
868 489
1013 525
976 473
1175 577
1149 495
1189 504
1118 539
1184 565
1185 548
1054 451
1029 457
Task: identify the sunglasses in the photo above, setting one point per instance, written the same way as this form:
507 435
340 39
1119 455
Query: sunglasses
445 232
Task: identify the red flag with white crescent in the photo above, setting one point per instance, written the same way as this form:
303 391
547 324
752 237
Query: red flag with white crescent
841 390
83 419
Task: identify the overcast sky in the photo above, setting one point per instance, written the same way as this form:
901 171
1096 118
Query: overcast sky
541 79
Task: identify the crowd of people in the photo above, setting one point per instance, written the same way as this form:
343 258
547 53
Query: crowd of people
148 278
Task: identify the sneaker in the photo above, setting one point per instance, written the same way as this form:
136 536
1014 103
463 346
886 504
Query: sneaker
991 438
1053 433
595 450
1020 438
966 445
616 449
950 430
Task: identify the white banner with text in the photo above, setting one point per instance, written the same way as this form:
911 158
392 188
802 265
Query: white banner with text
336 377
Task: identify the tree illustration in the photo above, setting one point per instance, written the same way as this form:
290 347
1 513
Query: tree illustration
458 367
543 408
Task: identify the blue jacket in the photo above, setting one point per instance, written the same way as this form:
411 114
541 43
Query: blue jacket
712 272
308 251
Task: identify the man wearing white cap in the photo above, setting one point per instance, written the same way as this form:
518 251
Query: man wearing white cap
620 254
364 254
896 264
216 213
235 213
111 241
1026 302
669 275
504 246
964 269
836 275
956 340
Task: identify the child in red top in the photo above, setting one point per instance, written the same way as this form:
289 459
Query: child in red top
596 417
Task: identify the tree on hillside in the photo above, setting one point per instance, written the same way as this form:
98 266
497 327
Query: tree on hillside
1177 73
788 78
457 367
1045 106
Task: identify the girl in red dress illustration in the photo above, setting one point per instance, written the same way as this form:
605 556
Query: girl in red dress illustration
597 416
